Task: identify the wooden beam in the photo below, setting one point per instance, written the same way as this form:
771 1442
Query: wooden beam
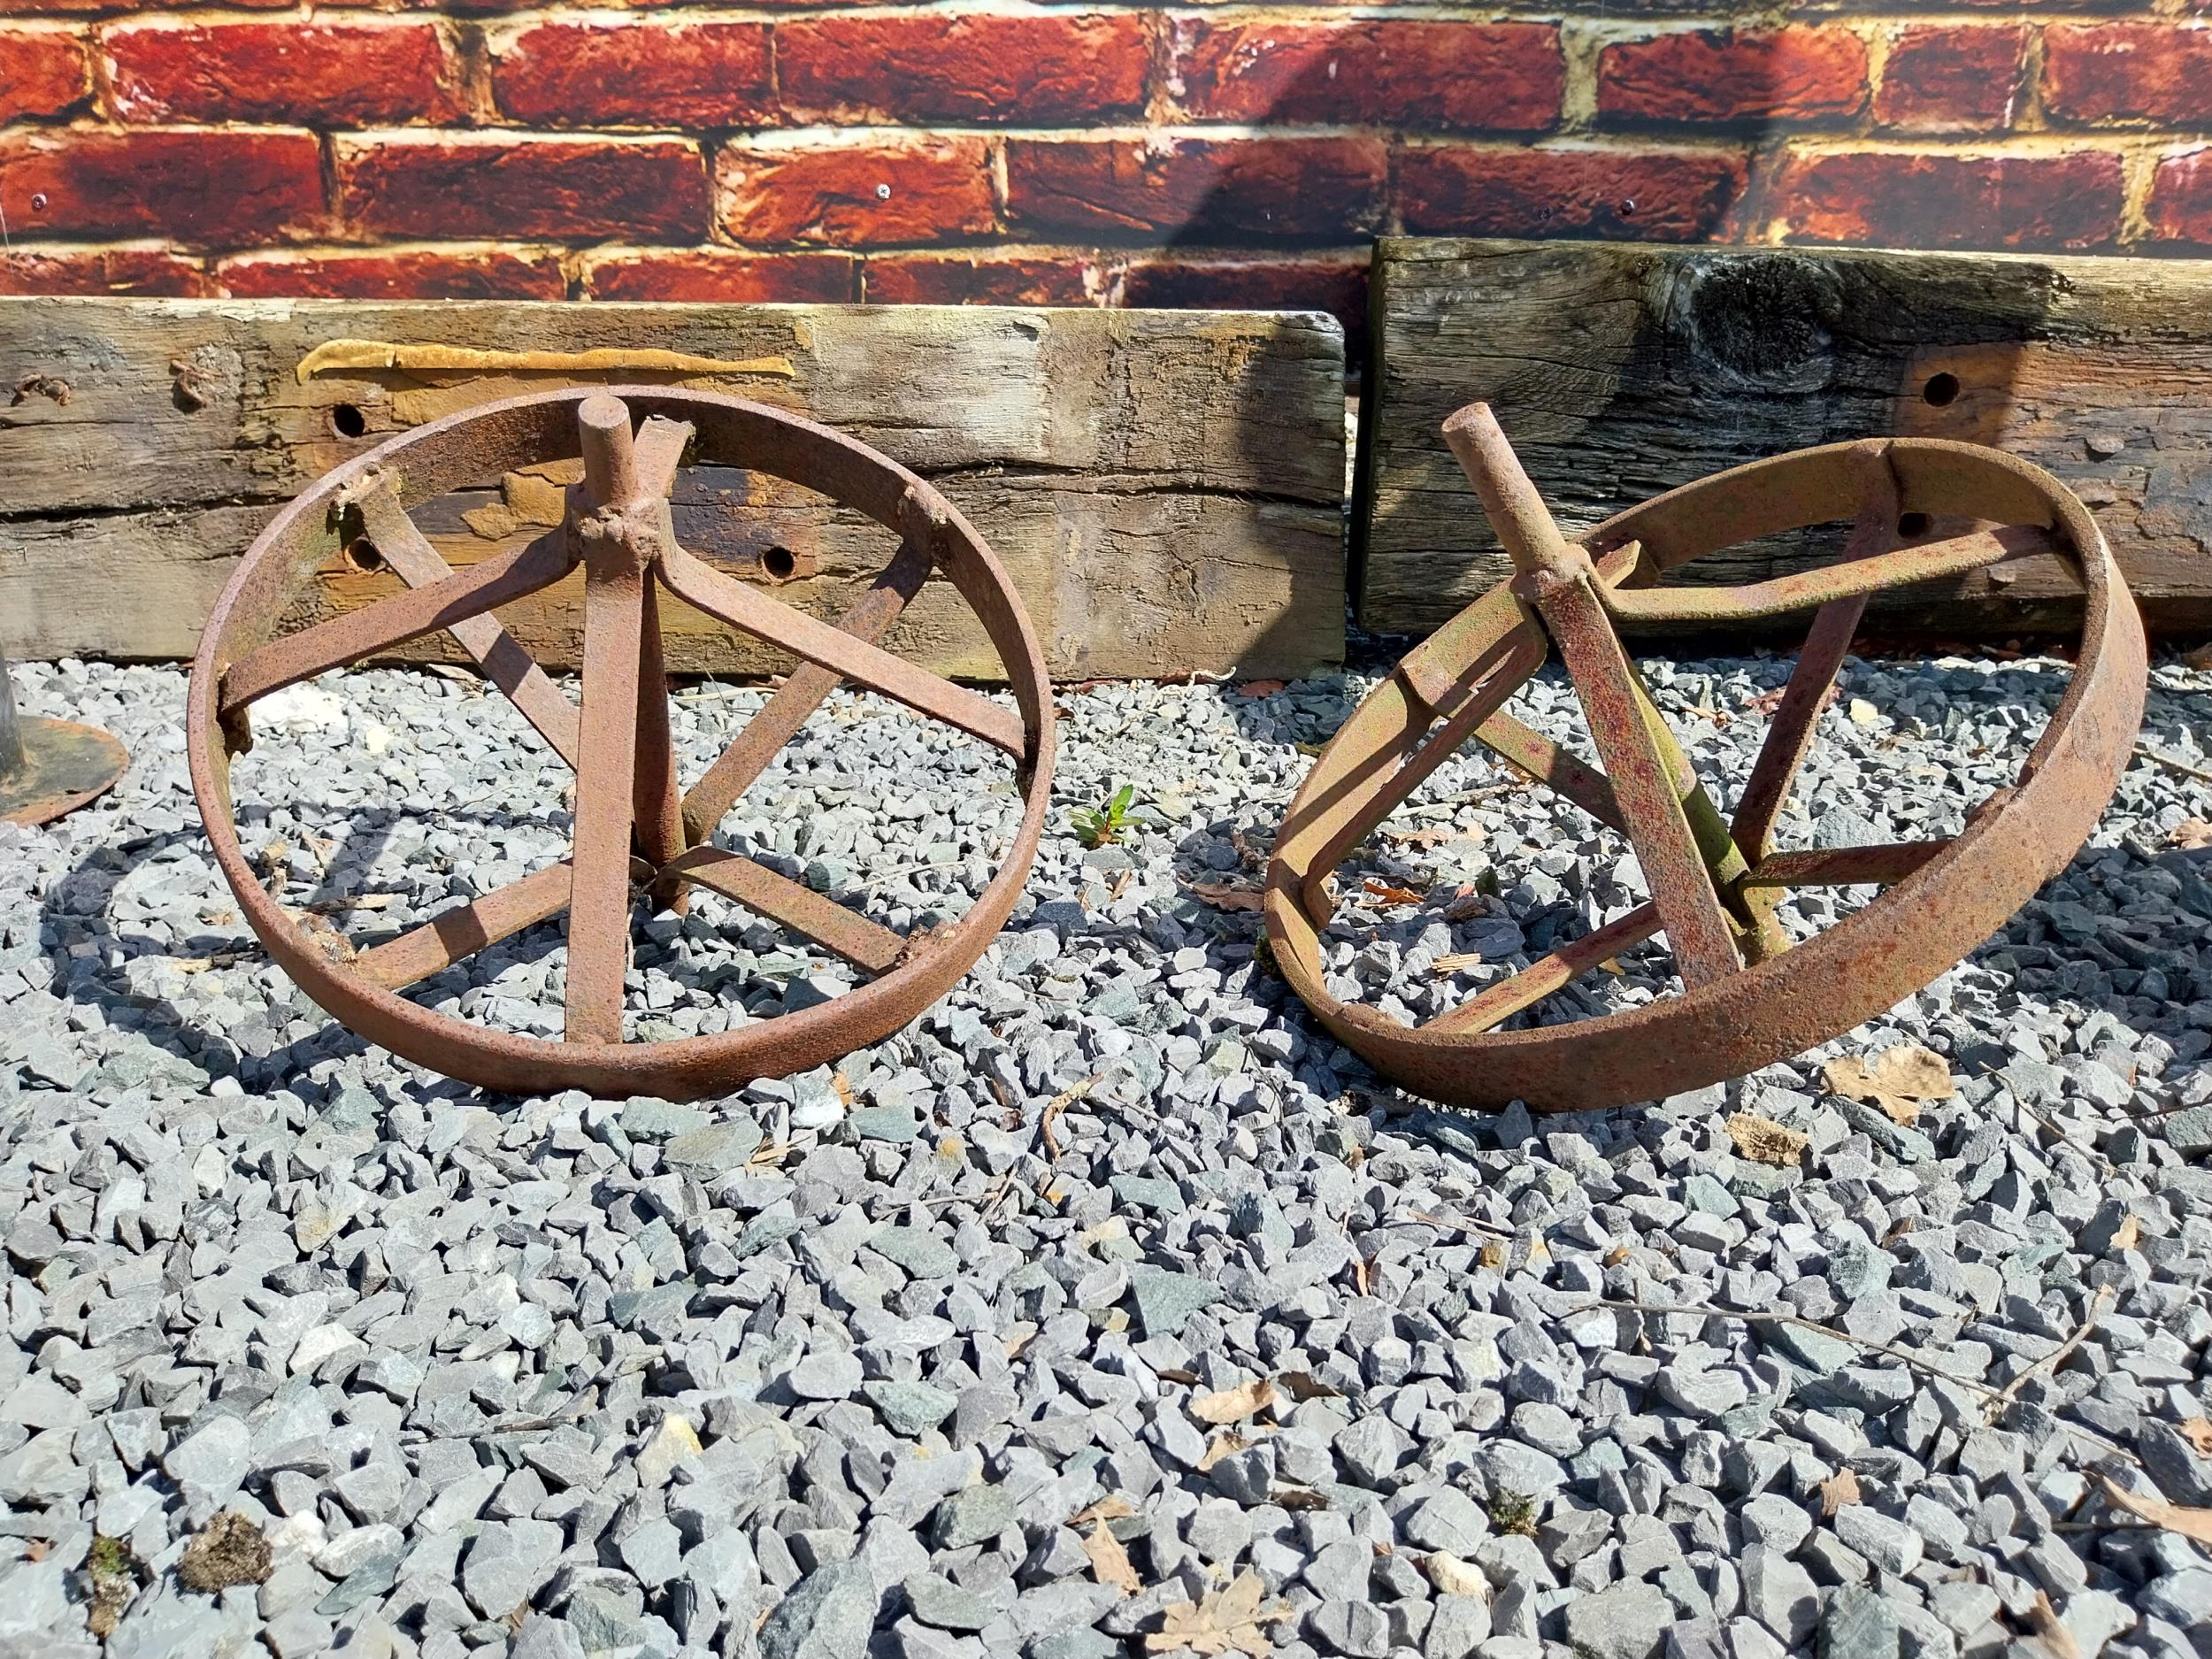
1620 371
1165 489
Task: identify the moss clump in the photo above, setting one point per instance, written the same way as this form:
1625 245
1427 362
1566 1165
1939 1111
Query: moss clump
1513 1512
228 1550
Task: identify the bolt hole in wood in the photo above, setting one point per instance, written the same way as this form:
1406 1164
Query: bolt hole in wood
1913 523
1939 390
779 563
361 554
348 422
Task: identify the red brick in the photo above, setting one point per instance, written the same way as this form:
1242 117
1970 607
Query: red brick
128 270
43 72
1023 277
395 275
1259 186
40 8
2130 72
1657 195
449 185
853 195
190 186
1706 76
724 274
934 66
1903 200
635 74
1946 78
2181 200
364 73
1504 77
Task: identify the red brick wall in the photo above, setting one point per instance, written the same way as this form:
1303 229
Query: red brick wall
1070 153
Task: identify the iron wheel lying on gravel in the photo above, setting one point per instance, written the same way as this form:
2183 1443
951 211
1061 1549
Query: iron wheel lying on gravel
631 825
1750 995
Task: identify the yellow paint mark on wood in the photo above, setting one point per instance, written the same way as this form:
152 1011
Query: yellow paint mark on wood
376 354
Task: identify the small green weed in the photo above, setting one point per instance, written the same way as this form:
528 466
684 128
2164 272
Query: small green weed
1102 826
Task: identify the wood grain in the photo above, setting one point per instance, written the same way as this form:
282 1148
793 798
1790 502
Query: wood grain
1165 488
1621 371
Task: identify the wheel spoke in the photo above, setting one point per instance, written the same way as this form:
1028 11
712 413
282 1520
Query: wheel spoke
659 448
743 606
461 932
1877 865
1790 736
599 914
1659 828
393 621
505 663
656 800
1499 672
1499 1002
1530 753
1632 739
821 918
869 617
1804 589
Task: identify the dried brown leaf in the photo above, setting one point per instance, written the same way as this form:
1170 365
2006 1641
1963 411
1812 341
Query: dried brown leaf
2042 1619
1393 896
1763 1140
1109 1562
1223 896
1225 1621
1226 1444
1837 1492
2198 1433
1305 1386
2128 1233
2191 833
1897 1079
1233 1405
1297 1498
1259 688
2175 1517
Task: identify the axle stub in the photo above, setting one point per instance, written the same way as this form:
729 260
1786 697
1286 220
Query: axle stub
633 825
1749 994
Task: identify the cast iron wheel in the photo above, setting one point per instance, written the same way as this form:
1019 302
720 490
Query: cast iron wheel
1750 996
631 821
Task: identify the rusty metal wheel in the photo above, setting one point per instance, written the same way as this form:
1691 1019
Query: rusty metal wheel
630 822
1749 995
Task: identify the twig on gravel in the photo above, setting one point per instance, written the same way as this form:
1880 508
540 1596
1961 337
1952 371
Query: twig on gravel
1059 1104
2053 1360
2173 764
1424 1218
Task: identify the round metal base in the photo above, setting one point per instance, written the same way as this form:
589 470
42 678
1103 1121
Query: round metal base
65 764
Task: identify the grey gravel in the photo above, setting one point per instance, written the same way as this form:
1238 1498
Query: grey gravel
828 1367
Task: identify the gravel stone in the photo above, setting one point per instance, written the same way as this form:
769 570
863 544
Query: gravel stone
1628 1621
650 1378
